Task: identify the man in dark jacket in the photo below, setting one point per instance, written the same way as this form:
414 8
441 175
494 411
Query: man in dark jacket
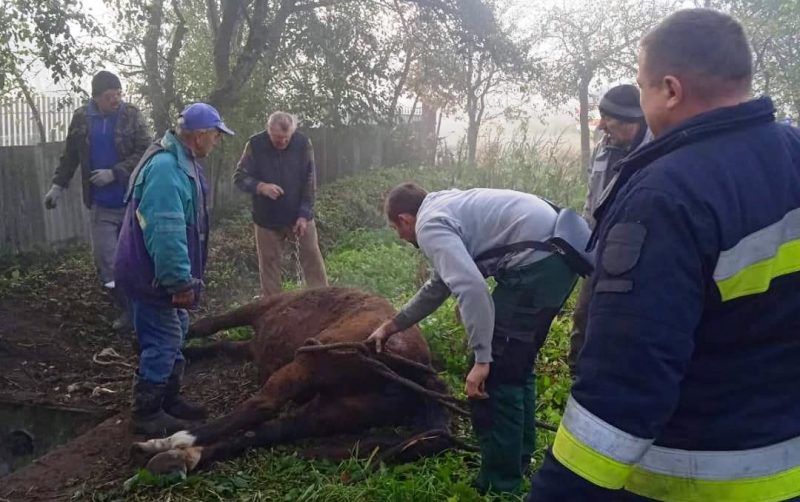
161 260
106 137
277 168
687 386
625 130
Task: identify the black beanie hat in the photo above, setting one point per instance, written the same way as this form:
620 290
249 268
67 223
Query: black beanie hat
622 103
103 81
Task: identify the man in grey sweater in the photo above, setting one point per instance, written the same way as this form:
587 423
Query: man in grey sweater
467 236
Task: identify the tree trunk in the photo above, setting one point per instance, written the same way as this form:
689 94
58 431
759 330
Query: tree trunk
583 116
472 140
29 98
155 88
435 145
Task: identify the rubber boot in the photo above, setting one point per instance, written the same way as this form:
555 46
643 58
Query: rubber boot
147 416
123 322
529 425
500 435
174 404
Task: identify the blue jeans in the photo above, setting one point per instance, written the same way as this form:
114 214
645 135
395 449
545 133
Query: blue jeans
161 331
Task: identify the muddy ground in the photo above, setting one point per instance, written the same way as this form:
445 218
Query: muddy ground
53 331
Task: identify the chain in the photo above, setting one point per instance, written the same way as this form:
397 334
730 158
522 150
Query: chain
298 269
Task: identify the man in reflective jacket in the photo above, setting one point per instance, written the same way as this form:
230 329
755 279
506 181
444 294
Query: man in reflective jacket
687 385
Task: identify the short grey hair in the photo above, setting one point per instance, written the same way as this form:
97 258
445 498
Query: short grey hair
283 121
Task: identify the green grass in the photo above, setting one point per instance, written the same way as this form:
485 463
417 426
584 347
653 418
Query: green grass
376 261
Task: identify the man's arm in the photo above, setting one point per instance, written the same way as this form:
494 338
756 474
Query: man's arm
141 140
163 221
309 193
429 297
70 158
647 303
445 249
244 177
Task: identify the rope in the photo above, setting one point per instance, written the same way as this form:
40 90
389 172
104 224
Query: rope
360 350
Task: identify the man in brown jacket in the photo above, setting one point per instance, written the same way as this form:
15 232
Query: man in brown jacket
106 137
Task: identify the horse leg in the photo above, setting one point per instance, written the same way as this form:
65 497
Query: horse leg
322 416
291 381
242 316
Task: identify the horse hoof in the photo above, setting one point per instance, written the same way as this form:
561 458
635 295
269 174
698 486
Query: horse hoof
167 462
180 460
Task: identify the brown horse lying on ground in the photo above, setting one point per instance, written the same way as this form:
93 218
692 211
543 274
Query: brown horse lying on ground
308 394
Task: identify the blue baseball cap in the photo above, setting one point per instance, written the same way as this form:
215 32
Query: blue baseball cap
202 116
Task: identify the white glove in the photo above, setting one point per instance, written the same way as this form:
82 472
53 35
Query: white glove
102 177
52 196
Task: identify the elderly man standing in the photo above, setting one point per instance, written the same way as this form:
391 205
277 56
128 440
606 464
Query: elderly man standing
624 128
277 168
160 263
106 137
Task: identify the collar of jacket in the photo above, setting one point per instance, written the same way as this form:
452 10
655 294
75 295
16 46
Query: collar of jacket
173 145
697 128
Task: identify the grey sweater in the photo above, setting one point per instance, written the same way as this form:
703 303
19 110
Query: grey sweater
453 227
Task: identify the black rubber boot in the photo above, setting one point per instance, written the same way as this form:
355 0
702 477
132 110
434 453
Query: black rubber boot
147 415
174 404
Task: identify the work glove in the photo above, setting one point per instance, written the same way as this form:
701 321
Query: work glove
102 177
52 196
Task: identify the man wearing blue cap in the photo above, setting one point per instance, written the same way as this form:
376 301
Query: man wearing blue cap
160 261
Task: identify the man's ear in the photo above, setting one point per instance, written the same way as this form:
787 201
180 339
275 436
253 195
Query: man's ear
673 90
407 219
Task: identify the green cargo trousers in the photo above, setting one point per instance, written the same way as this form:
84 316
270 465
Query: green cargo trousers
526 300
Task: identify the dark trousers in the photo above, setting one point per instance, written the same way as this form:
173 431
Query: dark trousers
526 301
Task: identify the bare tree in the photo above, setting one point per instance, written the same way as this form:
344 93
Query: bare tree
585 41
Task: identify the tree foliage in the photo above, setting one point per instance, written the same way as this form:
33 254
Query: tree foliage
329 56
773 27
42 32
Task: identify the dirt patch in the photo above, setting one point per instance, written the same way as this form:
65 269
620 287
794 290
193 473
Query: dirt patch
53 357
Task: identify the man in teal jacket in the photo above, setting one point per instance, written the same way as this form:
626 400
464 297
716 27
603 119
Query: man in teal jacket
161 258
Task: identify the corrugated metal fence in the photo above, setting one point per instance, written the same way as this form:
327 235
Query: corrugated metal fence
18 124
27 167
25 174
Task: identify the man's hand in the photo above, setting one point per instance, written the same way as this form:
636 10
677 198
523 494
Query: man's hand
270 190
102 177
381 335
300 227
476 381
184 299
52 196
